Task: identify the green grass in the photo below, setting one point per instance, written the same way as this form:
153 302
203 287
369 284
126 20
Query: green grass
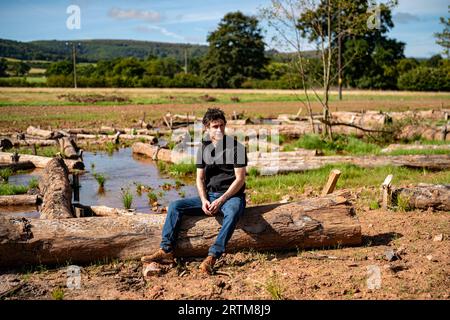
49 151
341 145
418 152
100 178
272 188
110 147
151 197
177 169
33 183
58 294
9 189
273 286
374 205
403 204
5 174
127 198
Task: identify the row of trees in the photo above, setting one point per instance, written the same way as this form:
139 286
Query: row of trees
350 52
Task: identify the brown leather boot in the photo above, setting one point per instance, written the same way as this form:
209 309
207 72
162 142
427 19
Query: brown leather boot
207 265
159 256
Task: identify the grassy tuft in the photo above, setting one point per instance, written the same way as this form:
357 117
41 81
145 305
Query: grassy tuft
127 198
274 288
5 174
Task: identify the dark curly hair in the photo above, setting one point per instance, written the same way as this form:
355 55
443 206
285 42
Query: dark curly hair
213 114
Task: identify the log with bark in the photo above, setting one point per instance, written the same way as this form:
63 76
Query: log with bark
68 148
41 162
314 223
37 142
283 164
158 153
409 132
16 166
45 134
423 196
56 191
290 130
19 200
420 115
256 156
394 147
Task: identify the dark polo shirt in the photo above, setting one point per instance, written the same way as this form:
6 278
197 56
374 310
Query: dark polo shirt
219 163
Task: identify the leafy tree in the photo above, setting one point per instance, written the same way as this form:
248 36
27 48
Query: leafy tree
236 51
434 61
443 38
129 68
163 67
406 64
426 79
63 68
369 57
3 67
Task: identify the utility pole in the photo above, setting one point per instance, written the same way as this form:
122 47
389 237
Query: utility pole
185 61
74 59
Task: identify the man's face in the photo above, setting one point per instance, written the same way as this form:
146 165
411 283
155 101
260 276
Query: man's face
216 130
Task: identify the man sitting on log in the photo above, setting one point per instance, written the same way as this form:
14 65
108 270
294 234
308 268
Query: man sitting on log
221 163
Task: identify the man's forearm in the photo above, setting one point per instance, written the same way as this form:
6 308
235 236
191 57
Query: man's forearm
233 189
201 188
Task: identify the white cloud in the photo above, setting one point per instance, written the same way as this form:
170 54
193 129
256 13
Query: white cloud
195 17
164 31
405 17
132 14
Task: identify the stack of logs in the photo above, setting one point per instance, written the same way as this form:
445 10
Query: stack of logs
58 236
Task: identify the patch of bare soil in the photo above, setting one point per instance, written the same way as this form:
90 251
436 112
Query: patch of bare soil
409 252
127 115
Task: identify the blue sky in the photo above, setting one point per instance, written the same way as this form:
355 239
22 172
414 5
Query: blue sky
183 21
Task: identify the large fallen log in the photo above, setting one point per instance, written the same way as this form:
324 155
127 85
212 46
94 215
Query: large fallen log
68 148
423 196
16 166
314 223
426 132
36 142
256 156
158 153
283 164
55 187
420 115
41 162
369 119
394 147
19 200
290 130
45 134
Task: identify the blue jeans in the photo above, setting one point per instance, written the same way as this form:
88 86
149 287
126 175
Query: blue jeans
232 210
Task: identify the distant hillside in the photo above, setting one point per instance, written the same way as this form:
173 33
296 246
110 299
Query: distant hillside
98 49
94 50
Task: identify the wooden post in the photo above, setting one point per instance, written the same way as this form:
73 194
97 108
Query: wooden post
332 180
116 137
386 191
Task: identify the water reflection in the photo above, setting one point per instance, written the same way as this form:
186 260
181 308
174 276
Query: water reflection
122 169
